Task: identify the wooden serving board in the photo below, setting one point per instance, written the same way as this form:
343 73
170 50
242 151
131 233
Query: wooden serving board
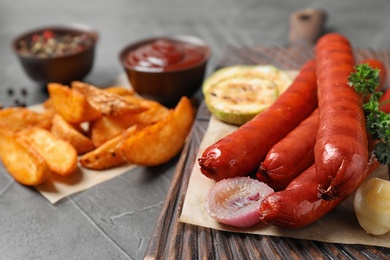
172 239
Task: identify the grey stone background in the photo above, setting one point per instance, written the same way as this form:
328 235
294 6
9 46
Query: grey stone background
114 220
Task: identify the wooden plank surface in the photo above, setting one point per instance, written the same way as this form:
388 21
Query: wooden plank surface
174 240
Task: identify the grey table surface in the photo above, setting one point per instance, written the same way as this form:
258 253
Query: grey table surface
115 220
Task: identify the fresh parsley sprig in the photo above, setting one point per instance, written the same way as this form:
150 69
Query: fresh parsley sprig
365 80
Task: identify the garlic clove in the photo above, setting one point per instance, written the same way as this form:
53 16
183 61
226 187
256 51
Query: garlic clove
372 206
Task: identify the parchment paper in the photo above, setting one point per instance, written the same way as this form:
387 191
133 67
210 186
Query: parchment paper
339 226
58 187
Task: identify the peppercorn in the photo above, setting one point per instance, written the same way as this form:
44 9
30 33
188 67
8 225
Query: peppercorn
49 44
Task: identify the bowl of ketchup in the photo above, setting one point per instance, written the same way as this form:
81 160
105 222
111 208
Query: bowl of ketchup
166 68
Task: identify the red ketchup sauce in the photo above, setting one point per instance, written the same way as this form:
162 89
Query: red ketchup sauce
165 55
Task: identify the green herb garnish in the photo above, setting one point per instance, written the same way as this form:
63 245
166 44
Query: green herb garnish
365 80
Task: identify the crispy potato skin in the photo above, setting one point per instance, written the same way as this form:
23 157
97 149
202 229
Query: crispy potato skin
60 155
108 127
67 132
106 102
160 142
17 119
107 155
71 104
22 162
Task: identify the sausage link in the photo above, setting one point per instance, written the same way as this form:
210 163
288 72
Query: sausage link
299 205
291 155
294 153
341 148
241 152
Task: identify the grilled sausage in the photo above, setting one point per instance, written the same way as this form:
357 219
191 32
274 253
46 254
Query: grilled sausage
241 152
294 153
299 205
341 147
291 155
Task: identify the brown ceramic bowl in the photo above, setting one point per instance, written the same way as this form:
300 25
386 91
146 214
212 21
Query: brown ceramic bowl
167 86
59 69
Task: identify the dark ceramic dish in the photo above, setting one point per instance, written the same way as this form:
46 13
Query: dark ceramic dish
63 69
167 86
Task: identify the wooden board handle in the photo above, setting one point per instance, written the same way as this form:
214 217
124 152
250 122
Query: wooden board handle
306 26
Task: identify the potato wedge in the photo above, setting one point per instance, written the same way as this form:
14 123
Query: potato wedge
67 132
160 142
106 156
60 156
19 118
22 162
108 127
155 112
48 104
71 104
106 102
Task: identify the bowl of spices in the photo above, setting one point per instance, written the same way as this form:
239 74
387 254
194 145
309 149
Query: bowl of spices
59 53
166 68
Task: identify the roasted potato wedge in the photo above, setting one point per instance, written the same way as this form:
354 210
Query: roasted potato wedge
22 162
65 131
48 104
106 156
71 104
19 118
106 102
155 112
108 127
160 142
60 156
